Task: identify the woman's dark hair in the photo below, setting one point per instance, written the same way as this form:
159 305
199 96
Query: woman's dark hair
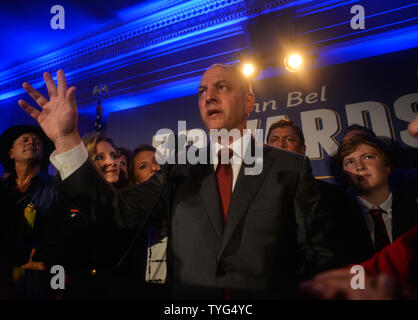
131 161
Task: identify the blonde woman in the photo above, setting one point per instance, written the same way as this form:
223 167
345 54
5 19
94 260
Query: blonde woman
103 152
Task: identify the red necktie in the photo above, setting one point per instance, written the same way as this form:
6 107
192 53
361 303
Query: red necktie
224 180
381 237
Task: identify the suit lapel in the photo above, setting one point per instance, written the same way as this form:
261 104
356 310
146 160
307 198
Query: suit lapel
205 180
244 192
362 232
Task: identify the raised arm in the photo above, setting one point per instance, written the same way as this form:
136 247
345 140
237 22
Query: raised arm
104 205
83 184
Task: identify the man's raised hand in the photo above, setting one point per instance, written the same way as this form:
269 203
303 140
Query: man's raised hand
58 117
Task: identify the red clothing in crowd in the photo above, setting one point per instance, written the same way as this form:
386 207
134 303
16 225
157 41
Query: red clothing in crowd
398 259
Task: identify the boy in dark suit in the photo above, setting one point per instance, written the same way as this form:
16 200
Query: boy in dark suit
379 215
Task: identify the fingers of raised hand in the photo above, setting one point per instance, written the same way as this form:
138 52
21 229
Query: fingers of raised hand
70 97
62 83
34 113
50 84
39 98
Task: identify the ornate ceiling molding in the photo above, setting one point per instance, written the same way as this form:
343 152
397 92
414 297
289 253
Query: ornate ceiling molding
161 49
141 37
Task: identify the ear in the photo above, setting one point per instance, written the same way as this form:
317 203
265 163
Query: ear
389 169
249 102
11 153
303 149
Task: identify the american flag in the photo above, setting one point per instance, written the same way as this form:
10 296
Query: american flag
98 127
99 91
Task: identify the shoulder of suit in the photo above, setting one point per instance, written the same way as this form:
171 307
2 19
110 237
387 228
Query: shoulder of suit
331 188
280 153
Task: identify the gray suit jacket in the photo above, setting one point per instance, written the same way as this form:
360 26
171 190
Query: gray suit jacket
274 234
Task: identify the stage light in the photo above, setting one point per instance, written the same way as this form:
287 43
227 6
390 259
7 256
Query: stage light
293 62
248 69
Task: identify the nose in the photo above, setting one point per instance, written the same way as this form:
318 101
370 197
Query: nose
281 143
360 165
110 162
31 141
211 95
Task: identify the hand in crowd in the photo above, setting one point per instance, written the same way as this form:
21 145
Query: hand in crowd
58 117
413 128
33 265
5 175
336 284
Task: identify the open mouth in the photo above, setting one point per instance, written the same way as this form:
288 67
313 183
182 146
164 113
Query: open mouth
214 112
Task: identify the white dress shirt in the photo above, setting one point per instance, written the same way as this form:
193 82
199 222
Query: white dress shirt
68 162
238 148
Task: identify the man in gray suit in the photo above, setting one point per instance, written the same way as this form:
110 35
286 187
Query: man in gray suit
265 234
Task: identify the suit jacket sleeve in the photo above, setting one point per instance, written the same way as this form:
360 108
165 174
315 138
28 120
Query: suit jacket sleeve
312 225
126 208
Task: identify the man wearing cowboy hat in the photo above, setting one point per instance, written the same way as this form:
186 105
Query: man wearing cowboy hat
26 200
37 225
25 147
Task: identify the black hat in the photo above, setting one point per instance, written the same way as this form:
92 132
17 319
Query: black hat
9 136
